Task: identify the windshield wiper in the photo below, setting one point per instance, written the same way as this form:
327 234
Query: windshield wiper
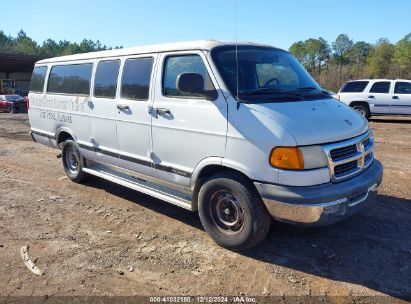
262 91
274 93
306 89
271 91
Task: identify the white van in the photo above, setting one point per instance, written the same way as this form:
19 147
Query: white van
240 133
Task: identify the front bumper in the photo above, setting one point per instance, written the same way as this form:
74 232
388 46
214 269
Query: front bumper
322 204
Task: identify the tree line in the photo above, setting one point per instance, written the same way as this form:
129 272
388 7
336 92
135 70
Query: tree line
330 64
342 60
24 45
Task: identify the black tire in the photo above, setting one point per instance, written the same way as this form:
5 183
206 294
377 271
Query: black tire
232 211
362 109
11 109
73 162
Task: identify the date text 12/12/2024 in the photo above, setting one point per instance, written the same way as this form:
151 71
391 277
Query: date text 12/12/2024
203 299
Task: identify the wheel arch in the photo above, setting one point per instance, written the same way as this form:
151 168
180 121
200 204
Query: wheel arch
211 168
62 134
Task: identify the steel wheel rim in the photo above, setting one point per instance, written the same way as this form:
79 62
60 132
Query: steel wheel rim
227 212
72 160
360 110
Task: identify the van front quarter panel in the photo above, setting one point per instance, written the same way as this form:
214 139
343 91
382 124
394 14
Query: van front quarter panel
250 138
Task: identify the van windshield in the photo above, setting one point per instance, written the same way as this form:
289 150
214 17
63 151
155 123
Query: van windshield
265 74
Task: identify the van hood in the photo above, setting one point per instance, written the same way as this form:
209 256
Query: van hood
314 122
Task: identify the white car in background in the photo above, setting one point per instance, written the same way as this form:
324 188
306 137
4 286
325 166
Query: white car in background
377 96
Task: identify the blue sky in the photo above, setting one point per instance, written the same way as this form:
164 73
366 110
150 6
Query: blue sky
280 23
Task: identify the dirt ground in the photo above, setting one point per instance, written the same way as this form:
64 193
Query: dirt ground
100 239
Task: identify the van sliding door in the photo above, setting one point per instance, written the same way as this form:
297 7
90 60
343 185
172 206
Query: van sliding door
103 111
133 119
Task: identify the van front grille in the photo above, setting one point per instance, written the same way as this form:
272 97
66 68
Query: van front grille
343 153
344 169
350 157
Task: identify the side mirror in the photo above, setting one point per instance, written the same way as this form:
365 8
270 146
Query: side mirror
190 83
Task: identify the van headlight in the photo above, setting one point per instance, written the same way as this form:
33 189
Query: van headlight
298 158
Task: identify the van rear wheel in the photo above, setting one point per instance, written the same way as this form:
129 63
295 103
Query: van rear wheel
73 162
232 212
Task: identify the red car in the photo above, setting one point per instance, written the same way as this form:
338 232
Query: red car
12 103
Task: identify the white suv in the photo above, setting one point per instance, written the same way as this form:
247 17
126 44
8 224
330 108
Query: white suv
378 96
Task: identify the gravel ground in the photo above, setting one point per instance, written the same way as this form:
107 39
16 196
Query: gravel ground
100 239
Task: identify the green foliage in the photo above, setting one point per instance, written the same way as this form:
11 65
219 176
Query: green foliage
402 56
24 45
347 60
341 47
379 61
299 51
312 53
358 55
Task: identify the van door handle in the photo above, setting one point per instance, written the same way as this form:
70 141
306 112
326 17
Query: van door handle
395 97
123 107
371 96
163 111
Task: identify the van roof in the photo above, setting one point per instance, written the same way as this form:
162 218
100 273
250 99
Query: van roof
206 45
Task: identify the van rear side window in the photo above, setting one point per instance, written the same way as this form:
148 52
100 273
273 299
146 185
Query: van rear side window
70 79
354 87
105 82
135 82
37 79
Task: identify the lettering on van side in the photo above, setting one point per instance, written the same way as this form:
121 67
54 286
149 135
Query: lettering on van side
65 105
56 116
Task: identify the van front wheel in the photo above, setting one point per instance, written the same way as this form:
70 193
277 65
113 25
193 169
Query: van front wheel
232 212
73 162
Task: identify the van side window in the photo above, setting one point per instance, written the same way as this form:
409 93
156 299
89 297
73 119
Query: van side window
402 88
176 65
135 82
105 82
37 79
70 79
380 87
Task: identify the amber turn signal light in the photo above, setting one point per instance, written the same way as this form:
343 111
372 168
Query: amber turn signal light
287 158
